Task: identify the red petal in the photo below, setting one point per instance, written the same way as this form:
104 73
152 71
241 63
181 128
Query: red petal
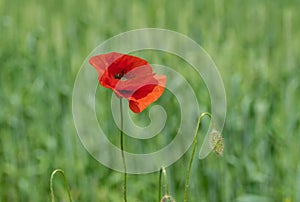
137 103
126 63
103 61
134 69
138 87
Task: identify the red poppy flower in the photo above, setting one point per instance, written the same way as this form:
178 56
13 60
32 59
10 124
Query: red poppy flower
129 77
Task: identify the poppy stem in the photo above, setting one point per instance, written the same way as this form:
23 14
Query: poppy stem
65 181
193 152
122 151
164 172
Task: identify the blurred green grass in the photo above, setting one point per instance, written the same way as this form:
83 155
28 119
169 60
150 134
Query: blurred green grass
255 45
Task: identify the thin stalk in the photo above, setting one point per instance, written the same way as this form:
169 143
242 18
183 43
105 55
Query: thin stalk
122 152
164 172
65 181
193 153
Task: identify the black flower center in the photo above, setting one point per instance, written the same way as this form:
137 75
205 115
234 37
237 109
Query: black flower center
119 75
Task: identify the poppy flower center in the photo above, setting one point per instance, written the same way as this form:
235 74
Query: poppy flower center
119 75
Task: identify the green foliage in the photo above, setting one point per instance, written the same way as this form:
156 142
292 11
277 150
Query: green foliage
255 45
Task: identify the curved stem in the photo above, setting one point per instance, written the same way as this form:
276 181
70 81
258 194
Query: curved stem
164 172
122 152
193 153
65 181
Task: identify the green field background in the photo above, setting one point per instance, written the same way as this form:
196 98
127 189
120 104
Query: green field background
256 46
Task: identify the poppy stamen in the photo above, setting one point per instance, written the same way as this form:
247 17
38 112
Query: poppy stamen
119 75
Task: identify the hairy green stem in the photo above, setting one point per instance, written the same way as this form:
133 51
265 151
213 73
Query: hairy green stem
164 172
65 181
122 152
193 153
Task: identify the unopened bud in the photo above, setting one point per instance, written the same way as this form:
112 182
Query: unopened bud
216 142
167 198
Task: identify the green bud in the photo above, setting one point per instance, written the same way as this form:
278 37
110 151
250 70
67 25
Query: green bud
167 198
216 142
